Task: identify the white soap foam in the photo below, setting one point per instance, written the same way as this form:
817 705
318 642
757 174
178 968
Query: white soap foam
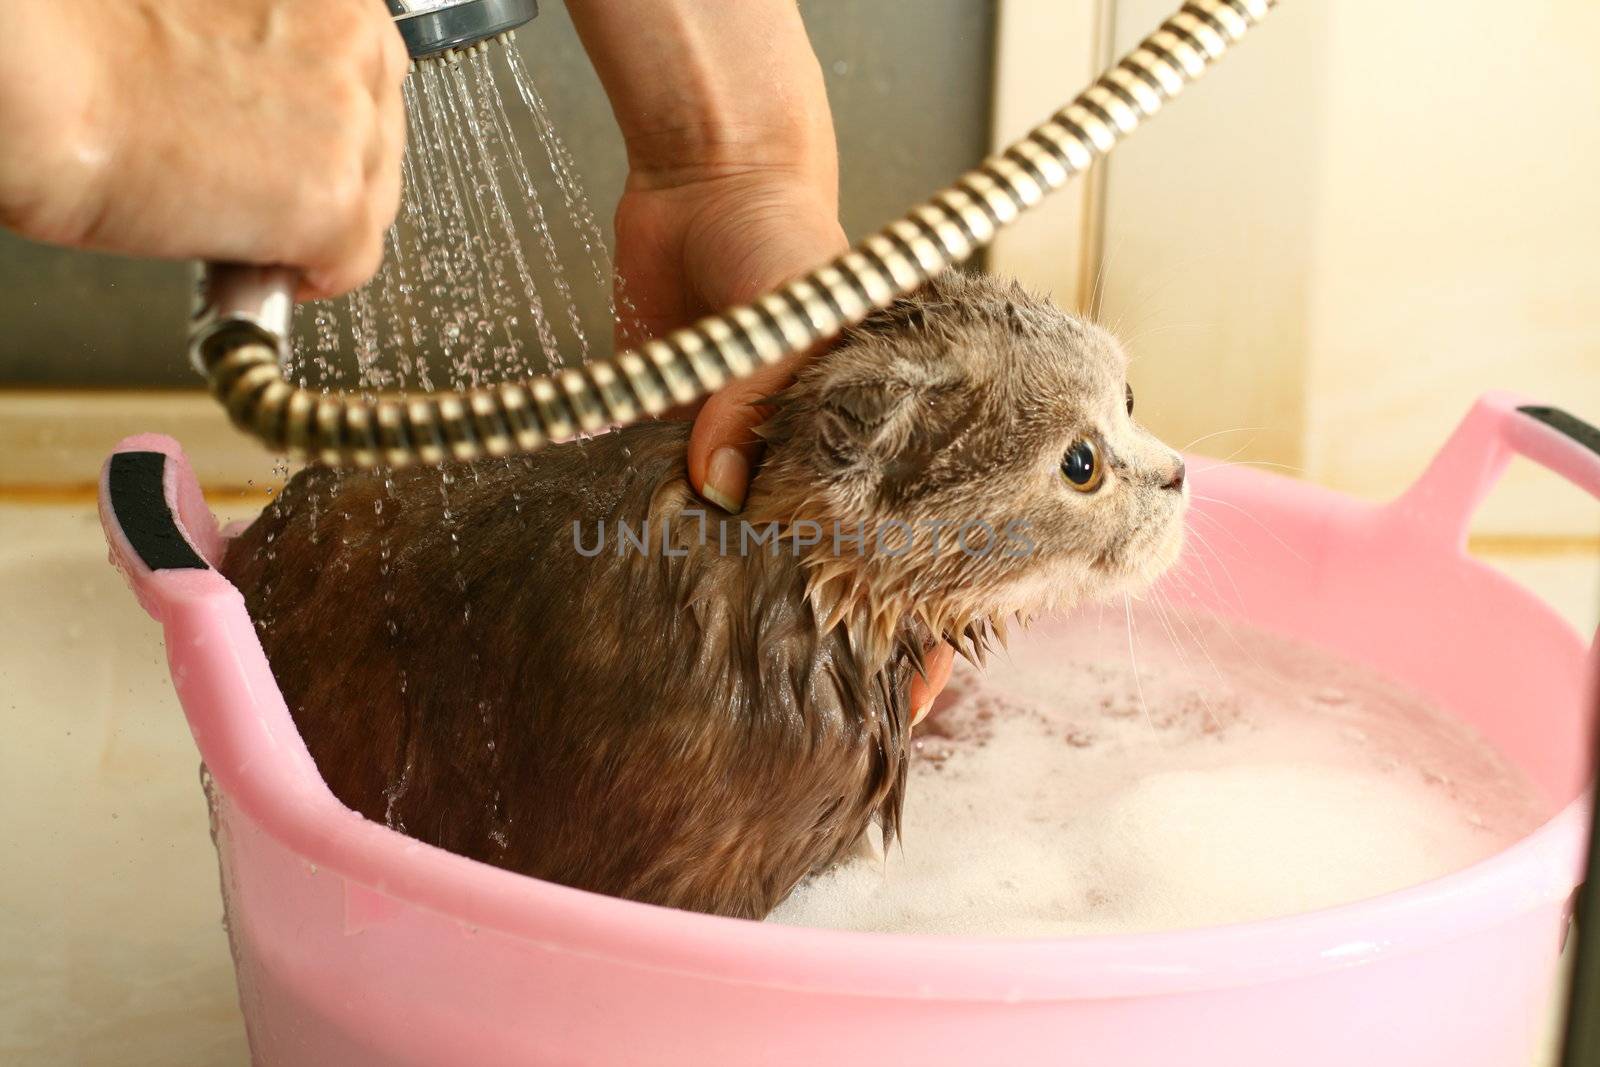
1234 776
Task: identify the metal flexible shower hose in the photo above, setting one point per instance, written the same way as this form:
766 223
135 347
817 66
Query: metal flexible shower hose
242 353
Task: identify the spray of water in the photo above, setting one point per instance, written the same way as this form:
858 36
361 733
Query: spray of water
473 288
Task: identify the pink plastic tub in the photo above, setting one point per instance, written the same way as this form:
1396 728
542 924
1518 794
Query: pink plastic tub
357 945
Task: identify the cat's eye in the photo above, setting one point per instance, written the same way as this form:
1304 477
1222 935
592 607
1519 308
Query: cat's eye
1130 399
1081 467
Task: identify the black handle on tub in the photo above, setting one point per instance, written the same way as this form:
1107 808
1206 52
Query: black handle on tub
137 487
1581 1041
1580 1046
1566 424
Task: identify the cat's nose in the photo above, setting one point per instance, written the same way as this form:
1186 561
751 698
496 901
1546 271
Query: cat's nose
1175 479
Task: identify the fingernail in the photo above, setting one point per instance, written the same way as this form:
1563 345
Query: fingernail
727 479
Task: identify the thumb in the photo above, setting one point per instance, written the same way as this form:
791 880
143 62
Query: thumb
723 446
926 687
746 252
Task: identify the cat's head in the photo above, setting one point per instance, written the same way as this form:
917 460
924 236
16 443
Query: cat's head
982 443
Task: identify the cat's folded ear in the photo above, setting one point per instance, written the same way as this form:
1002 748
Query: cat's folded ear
869 420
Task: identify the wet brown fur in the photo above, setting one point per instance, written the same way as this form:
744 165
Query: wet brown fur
686 726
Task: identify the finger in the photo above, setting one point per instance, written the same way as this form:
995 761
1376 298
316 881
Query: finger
925 688
336 200
387 139
390 138
775 245
723 446
355 190
393 63
358 254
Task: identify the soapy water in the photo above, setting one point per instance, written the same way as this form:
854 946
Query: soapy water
1058 792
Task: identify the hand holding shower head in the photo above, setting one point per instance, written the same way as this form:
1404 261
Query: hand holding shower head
241 339
260 300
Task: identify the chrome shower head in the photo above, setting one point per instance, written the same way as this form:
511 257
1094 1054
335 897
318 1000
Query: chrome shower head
433 27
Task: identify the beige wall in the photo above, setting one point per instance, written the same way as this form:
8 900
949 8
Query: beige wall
1457 226
1044 53
1364 217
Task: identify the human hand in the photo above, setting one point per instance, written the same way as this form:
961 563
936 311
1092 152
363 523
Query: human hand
688 250
732 191
733 184
255 131
691 249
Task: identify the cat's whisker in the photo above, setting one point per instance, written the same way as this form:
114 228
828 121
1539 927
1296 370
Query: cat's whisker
1097 289
1204 651
1219 433
1096 295
1252 463
1232 460
1231 456
1133 659
1269 531
1155 601
1238 597
1200 540
1154 331
1233 535
1153 286
1160 602
1179 614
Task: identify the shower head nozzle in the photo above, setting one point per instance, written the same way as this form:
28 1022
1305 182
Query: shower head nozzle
433 27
